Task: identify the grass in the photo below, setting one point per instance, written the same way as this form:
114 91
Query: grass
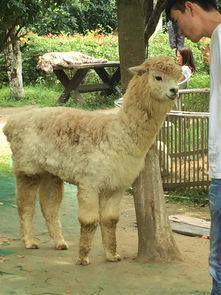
5 165
47 95
34 95
198 197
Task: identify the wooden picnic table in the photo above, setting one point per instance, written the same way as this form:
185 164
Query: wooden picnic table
73 85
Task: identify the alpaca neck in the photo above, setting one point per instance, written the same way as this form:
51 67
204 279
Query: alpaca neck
143 117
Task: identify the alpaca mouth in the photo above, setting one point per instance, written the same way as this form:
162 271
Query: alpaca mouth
172 97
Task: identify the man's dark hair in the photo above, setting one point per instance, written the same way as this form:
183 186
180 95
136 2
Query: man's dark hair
180 5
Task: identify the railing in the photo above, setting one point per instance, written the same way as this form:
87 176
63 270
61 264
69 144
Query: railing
182 146
182 141
193 100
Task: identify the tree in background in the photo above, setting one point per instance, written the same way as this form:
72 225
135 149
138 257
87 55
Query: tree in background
137 21
15 15
46 16
78 16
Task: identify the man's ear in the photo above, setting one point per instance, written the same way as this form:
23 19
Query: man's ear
190 7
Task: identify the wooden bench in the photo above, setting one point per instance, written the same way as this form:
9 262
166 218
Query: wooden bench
73 85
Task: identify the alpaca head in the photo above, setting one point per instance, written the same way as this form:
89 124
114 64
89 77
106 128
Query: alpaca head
159 77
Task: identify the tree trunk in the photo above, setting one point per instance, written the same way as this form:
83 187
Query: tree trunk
131 36
137 21
14 65
155 238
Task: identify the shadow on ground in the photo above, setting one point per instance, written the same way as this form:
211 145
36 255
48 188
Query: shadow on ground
49 271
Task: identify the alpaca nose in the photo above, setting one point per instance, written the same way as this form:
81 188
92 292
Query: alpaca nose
174 91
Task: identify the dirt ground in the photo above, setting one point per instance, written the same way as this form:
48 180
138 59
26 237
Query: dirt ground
48 271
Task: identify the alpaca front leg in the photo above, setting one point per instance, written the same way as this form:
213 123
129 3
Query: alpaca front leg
108 231
51 194
26 192
109 216
87 234
88 218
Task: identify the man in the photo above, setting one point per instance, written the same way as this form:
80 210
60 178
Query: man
197 19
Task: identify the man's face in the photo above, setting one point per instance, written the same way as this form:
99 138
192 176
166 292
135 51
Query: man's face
188 22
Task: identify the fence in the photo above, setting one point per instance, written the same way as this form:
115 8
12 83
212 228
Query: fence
193 100
182 143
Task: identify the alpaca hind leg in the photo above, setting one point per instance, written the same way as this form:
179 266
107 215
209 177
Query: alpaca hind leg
51 192
26 192
88 218
109 216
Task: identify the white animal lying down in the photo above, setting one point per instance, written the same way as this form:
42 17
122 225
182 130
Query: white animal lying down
101 153
55 60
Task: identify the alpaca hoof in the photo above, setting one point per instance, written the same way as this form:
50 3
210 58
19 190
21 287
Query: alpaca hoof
62 246
83 261
114 258
31 246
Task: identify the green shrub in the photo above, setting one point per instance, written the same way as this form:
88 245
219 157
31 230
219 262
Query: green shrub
188 196
94 44
79 16
199 80
159 45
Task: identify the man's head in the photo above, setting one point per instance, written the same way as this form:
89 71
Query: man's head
192 16
207 5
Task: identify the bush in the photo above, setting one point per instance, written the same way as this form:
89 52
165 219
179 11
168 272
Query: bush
159 45
79 16
94 44
199 80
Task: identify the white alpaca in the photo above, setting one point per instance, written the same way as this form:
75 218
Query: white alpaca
164 157
101 153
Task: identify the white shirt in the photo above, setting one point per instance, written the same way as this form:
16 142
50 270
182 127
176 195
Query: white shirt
186 71
214 151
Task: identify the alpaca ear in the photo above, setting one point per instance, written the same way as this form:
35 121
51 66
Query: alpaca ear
140 70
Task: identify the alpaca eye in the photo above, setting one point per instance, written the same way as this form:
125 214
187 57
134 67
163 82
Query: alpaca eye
158 78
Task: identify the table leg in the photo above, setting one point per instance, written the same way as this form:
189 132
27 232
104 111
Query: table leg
71 85
111 80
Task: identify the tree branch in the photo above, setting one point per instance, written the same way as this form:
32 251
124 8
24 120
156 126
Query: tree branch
152 21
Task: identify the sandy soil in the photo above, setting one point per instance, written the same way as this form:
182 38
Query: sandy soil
46 271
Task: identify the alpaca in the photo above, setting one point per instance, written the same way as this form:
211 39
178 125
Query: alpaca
101 153
164 157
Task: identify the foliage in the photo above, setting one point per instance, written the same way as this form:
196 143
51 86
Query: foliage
219 6
37 95
47 96
16 14
199 80
5 165
72 16
94 43
159 45
56 19
99 13
188 196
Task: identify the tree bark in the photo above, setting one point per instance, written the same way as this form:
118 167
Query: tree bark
14 65
155 238
131 36
137 21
